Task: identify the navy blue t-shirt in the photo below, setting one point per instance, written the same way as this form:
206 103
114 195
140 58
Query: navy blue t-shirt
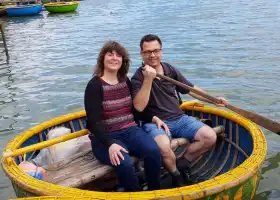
163 101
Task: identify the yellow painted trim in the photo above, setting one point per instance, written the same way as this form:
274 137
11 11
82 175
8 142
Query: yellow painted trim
218 184
55 198
44 144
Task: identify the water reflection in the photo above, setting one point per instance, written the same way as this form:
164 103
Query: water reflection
63 15
273 163
7 98
24 19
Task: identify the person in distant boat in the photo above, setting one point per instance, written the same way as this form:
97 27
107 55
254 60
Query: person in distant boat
110 120
153 96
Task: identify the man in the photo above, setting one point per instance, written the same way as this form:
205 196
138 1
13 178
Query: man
156 97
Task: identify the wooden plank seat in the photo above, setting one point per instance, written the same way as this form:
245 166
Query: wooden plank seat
83 168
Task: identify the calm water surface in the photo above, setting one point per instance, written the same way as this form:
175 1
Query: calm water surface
229 48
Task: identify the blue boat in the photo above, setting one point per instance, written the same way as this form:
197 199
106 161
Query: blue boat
24 10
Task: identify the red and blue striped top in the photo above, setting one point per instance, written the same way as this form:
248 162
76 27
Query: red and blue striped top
117 106
108 108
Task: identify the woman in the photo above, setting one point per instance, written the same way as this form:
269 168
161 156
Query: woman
110 120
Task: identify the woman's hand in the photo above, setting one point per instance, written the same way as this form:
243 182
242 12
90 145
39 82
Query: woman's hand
115 154
161 124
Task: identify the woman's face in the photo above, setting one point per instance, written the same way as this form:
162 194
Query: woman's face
112 61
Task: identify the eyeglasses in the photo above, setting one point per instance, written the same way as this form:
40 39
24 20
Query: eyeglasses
155 52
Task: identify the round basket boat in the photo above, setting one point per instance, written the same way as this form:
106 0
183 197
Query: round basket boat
61 7
230 170
24 10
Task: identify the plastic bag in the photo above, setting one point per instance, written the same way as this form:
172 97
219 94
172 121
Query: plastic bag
43 159
63 150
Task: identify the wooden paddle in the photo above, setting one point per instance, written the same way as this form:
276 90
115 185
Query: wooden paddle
258 119
44 144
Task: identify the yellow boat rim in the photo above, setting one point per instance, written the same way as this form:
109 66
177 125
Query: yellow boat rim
234 177
54 198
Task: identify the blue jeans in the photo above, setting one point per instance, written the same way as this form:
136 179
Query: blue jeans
138 144
183 127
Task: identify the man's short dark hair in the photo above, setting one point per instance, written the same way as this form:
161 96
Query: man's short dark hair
149 38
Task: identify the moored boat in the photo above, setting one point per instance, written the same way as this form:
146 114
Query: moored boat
61 7
229 171
24 10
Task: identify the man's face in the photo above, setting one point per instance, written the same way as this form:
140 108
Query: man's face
151 53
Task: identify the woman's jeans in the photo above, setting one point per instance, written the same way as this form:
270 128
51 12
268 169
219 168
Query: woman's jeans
139 144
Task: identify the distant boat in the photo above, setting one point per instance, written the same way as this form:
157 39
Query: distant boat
24 10
61 7
3 8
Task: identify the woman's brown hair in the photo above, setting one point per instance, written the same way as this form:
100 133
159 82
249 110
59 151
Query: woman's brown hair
111 46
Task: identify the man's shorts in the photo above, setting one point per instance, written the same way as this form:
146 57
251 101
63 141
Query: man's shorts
183 127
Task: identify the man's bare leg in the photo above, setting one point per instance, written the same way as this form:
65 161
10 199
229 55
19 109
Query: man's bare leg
169 158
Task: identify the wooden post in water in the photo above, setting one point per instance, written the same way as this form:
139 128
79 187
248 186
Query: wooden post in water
4 42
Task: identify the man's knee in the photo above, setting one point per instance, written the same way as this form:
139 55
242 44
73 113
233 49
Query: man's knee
211 137
207 135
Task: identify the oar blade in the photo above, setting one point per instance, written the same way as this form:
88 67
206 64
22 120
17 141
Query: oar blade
258 119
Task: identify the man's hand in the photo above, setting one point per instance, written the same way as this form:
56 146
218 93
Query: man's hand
222 102
149 72
115 153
